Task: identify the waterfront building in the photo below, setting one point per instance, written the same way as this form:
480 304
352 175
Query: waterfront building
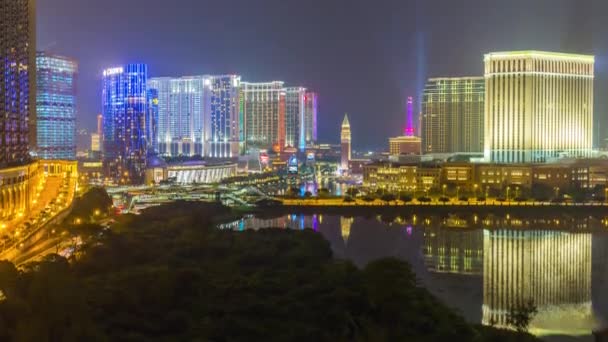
223 122
19 176
539 106
453 115
295 122
404 145
345 140
124 104
414 177
180 109
56 106
540 180
310 118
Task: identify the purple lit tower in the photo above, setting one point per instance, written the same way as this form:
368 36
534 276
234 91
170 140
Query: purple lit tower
408 143
409 120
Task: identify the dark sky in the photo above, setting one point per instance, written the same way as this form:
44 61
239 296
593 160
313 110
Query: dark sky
361 56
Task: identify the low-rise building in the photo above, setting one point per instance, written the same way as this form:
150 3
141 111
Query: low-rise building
499 179
404 145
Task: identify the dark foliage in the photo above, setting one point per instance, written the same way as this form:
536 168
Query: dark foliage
171 275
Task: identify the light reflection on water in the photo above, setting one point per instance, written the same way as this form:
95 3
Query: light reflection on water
483 266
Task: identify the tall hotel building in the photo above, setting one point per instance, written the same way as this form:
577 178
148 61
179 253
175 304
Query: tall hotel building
453 115
310 118
56 106
264 114
19 176
539 105
124 104
223 120
295 111
181 104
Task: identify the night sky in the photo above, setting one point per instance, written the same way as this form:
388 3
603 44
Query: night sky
362 57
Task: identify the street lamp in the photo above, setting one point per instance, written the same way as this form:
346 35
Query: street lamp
556 191
443 187
508 189
475 188
457 192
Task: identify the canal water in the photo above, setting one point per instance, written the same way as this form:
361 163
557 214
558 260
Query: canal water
482 267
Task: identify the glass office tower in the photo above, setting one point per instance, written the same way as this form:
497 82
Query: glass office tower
56 106
124 104
17 81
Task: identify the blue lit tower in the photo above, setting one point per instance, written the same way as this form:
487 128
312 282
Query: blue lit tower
56 106
124 105
17 81
223 117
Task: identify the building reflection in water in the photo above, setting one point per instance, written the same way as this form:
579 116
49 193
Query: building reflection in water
486 266
453 251
345 224
552 269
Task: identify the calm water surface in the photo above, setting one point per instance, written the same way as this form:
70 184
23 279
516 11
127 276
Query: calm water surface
483 267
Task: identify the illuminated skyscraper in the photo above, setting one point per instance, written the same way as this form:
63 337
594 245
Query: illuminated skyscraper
539 105
17 80
124 104
310 118
409 121
223 117
264 113
452 115
295 98
19 174
345 143
181 104
152 120
56 106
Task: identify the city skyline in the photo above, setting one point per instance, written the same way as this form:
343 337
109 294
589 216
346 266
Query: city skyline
320 60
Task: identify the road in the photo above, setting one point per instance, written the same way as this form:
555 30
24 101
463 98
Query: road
51 206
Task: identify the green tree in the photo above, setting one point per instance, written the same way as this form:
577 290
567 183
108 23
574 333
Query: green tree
520 316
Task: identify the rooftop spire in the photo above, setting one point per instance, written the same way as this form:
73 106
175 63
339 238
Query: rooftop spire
345 122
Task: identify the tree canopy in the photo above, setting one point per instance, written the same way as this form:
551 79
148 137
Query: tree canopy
170 275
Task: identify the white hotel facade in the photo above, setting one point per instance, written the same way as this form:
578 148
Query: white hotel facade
539 106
